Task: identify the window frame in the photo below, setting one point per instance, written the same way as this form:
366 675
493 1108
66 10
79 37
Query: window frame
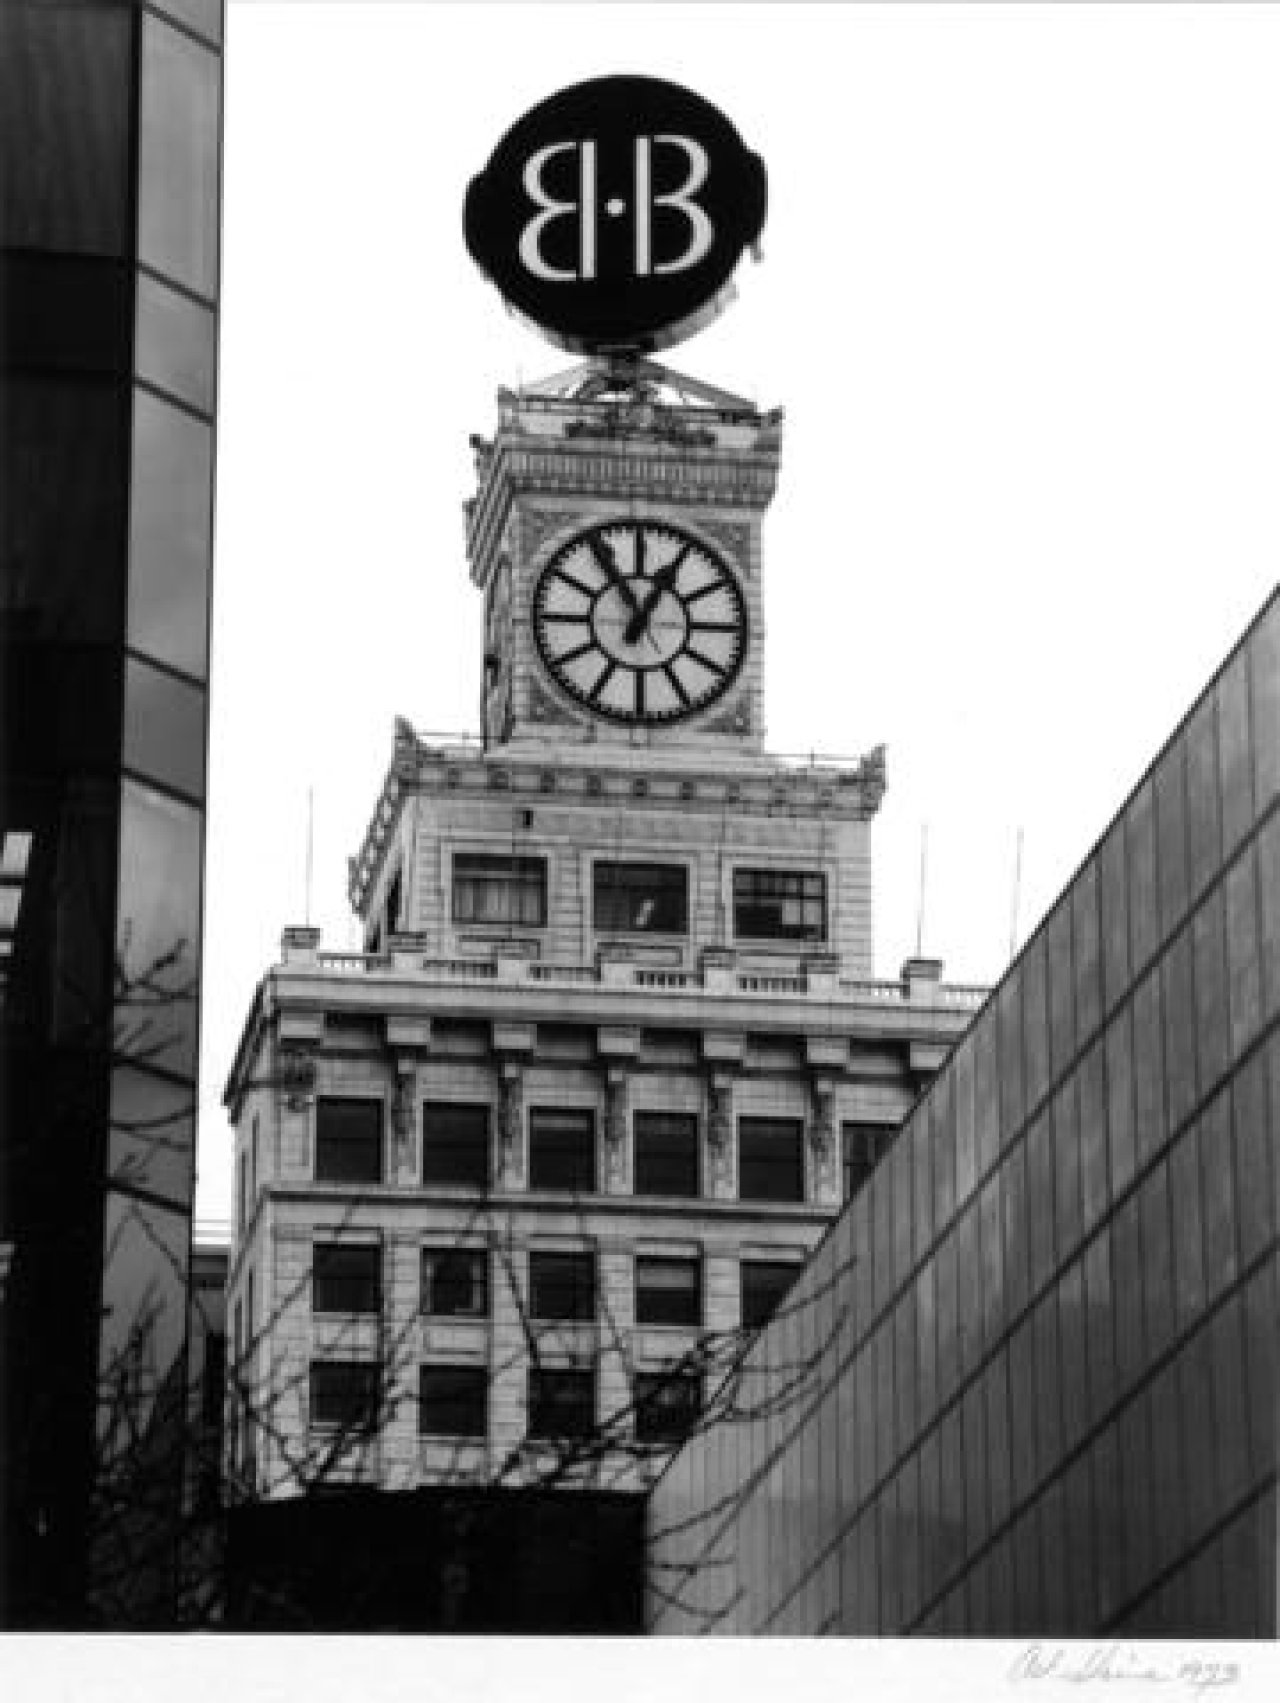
474 1380
647 1385
366 1420
644 1128
758 1264
690 1264
459 1175
541 1150
326 1102
525 874
322 1252
764 877
614 881
753 1164
581 1299
477 1258
537 1405
875 1139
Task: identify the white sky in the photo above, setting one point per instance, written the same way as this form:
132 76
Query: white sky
1019 302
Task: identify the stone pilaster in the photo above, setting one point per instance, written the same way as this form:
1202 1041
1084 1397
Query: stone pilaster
511 1142
824 1140
401 1279
720 1168
617 1146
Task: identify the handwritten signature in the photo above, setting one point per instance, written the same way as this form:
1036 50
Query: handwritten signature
1104 1664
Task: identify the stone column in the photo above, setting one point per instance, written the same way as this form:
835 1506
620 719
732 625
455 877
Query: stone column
617 1148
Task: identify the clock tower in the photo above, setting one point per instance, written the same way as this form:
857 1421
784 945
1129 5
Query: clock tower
616 536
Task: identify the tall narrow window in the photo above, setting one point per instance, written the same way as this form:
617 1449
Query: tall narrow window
562 1286
348 1140
455 1144
488 887
562 1149
764 1285
641 898
862 1148
666 1154
779 904
562 1402
668 1290
346 1279
770 1159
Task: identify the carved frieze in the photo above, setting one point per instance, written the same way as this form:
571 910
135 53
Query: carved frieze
734 537
539 524
296 1071
543 707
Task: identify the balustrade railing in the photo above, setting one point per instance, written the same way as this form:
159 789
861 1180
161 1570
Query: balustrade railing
960 996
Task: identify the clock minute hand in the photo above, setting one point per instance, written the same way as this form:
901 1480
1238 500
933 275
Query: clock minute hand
663 580
605 558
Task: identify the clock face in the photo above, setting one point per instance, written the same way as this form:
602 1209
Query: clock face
640 621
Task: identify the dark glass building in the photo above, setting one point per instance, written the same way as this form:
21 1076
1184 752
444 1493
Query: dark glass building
1027 1384
110 127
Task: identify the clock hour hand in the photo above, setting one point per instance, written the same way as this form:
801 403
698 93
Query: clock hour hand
663 580
605 558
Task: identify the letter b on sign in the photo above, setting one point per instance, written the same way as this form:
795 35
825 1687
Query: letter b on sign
613 214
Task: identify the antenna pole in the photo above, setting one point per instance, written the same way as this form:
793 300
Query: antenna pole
924 864
1017 886
310 838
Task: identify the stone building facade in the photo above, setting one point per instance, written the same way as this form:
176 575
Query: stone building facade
515 1182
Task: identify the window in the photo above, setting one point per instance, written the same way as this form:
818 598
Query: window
779 904
344 1394
668 1290
562 1402
764 1283
455 1283
348 1141
641 898
666 1153
455 1144
770 1159
346 1279
666 1405
562 1150
562 1286
861 1148
488 887
453 1401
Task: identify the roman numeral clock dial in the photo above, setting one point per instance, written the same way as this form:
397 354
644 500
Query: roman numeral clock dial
640 621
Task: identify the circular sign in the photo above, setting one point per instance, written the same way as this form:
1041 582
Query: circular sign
613 214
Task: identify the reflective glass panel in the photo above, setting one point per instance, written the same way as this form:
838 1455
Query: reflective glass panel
152 1134
178 165
170 535
158 944
164 728
176 343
